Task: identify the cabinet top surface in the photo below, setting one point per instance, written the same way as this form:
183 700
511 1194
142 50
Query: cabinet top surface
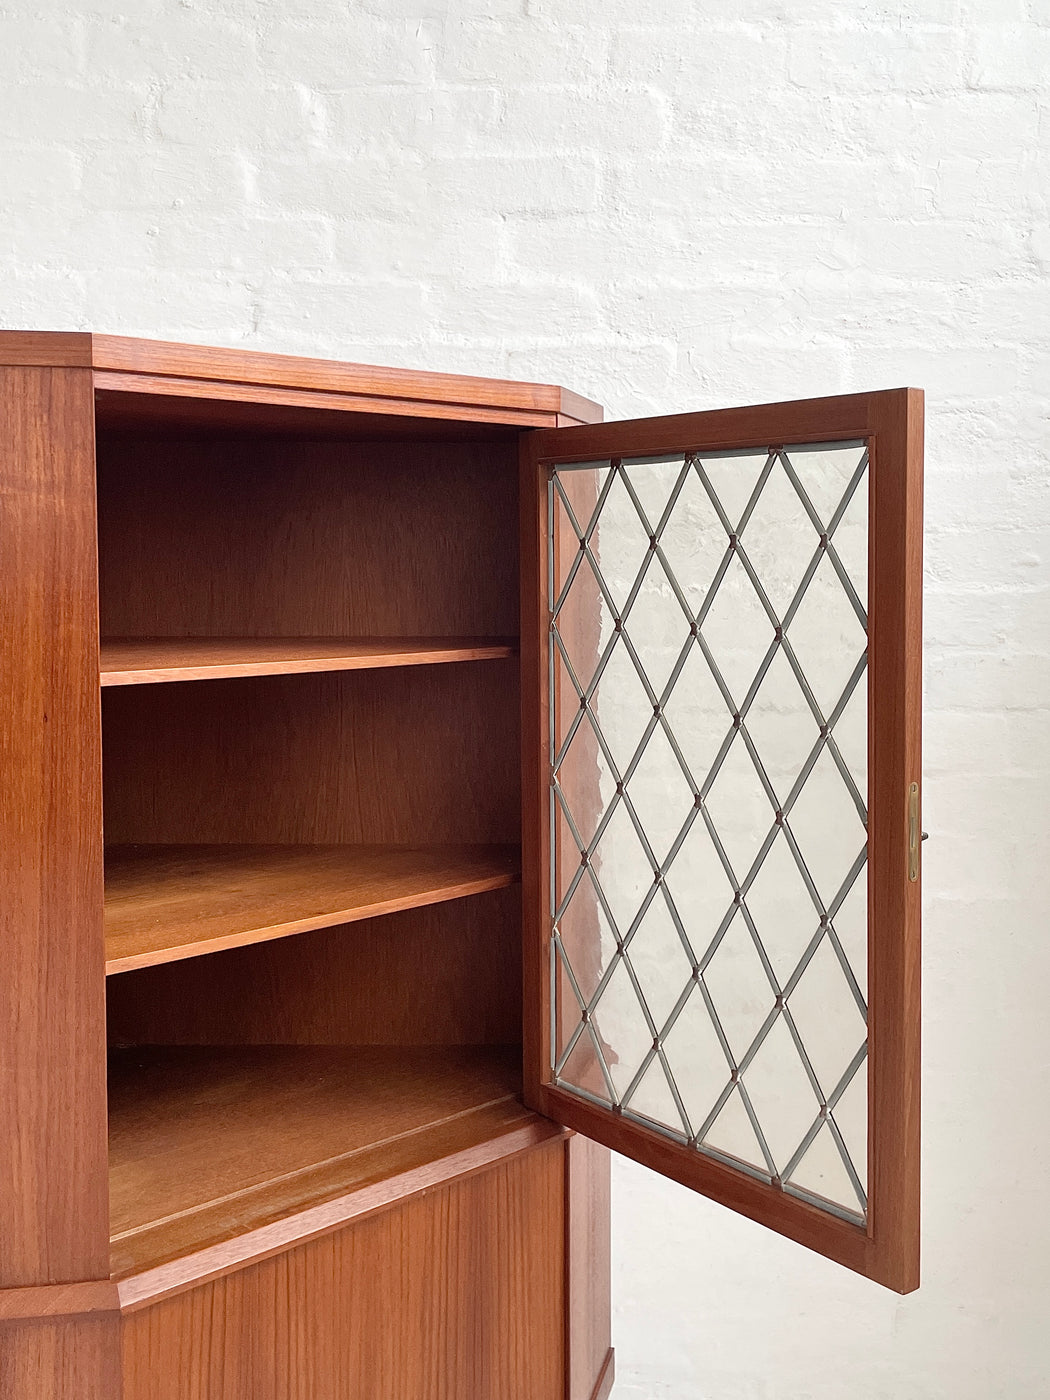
158 360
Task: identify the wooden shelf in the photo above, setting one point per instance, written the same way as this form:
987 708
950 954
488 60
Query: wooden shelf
169 902
210 1144
154 660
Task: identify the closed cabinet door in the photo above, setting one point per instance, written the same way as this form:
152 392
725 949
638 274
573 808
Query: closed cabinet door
721 651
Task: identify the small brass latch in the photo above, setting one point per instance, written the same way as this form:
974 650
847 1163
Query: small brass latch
914 834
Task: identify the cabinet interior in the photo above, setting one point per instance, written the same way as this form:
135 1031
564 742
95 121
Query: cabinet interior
311 808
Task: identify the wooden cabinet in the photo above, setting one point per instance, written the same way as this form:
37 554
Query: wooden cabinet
364 734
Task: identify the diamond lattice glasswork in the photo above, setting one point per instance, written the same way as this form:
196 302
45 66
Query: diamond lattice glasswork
708 804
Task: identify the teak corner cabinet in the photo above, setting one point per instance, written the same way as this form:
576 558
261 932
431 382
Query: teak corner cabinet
412 788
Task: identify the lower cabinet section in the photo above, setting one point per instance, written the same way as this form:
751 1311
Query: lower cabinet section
458 1294
61 1358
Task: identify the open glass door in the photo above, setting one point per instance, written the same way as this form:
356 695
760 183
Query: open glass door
722 671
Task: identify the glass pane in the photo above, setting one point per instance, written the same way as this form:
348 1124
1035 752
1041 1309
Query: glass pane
709 805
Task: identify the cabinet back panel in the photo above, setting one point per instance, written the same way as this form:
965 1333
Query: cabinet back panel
448 974
408 755
227 536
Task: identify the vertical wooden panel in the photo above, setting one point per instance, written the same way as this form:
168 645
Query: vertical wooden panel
588 1269
64 1359
894 762
535 774
456 1295
53 1201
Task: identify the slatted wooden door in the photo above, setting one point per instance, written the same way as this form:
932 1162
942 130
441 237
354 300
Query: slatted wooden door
721 649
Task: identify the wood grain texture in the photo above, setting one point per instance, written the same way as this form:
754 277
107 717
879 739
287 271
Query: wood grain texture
200 362
887 1250
446 974
265 537
606 1378
169 902
454 1296
588 1266
123 409
58 1300
894 901
153 660
52 1084
61 1358
188 1271
837 417
207 1143
428 754
255 498
306 402
535 774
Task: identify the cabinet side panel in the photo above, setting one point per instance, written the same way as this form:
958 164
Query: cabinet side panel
71 1359
456 1295
53 1202
588 1268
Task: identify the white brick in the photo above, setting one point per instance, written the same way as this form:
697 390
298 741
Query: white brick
87 238
966 376
118 176
975 188
515 53
696 64
128 50
566 119
522 307
742 184
986 620
1028 742
358 312
184 239
66 112
234 116
31 298
514 186
1014 59
1039 245
38 45
834 124
616 248
351 51
169 304
626 378
979 558
973 680
972 743
751 370
37 178
939 250
426 120
898 59
443 253
341 187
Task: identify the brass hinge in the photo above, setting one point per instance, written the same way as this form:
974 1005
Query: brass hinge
915 836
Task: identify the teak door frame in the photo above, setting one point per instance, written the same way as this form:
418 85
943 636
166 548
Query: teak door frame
887 1250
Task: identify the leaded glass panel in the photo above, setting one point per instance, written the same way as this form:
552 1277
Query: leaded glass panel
709 804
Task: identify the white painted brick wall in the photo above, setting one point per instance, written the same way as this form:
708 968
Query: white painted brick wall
666 206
